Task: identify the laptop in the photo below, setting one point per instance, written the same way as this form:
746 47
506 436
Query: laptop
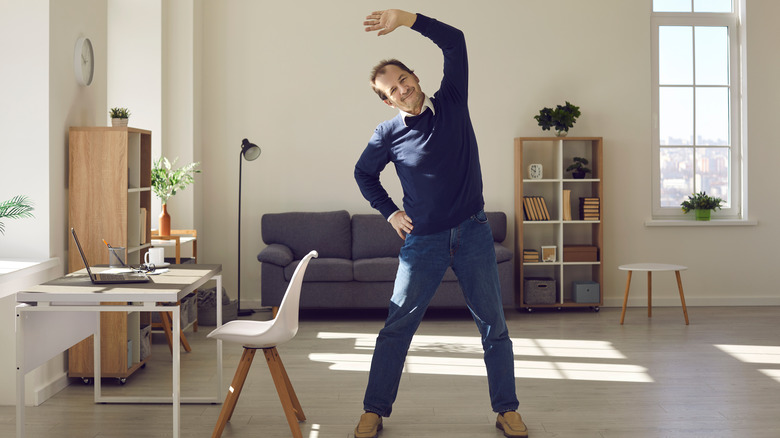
112 278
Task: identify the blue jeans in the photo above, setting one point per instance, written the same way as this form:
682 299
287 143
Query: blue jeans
468 249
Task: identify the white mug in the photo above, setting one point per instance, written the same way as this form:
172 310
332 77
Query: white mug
155 256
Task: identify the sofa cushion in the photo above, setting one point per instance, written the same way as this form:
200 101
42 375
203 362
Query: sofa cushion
497 221
376 269
323 269
373 236
277 254
326 232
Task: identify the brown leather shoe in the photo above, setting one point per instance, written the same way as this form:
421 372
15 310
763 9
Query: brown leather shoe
512 425
369 426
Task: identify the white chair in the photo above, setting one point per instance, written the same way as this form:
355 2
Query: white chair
266 335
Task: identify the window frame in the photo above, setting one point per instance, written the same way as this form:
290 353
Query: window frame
737 129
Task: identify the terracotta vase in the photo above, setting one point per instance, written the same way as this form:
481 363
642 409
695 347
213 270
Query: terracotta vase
165 222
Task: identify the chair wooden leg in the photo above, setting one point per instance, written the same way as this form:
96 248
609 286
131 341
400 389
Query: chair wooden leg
625 298
290 403
649 294
682 296
235 390
167 322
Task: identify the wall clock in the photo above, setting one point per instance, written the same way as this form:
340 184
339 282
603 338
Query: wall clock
84 61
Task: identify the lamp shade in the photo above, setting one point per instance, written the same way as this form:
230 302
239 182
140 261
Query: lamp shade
250 151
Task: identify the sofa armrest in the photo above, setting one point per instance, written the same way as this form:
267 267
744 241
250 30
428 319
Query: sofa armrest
277 254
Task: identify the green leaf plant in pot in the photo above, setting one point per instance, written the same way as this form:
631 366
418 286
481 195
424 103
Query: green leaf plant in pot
577 168
702 204
562 118
166 181
17 207
119 116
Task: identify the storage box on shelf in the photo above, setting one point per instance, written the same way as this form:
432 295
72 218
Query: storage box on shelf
562 212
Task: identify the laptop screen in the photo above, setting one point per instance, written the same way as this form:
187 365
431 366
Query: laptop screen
81 252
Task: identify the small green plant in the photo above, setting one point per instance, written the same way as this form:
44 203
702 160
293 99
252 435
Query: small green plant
166 180
700 201
562 118
119 113
15 208
578 168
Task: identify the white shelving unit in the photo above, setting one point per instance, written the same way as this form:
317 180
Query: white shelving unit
555 154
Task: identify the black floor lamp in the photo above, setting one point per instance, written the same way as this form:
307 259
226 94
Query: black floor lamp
250 151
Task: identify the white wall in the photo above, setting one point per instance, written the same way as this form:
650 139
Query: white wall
296 84
39 100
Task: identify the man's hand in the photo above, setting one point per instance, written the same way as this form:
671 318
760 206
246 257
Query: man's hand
388 21
402 224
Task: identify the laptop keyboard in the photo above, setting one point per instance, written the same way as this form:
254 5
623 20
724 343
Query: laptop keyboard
112 277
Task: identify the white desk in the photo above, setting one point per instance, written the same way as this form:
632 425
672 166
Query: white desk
75 303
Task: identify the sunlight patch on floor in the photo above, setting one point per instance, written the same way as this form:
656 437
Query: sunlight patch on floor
425 357
753 353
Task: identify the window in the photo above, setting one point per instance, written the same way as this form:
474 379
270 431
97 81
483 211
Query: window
697 127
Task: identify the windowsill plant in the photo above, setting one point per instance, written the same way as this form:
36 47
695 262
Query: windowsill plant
702 204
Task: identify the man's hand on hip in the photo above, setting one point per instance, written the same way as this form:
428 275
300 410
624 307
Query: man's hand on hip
401 223
388 21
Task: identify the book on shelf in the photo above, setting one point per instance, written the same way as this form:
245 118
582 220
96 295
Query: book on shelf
590 208
567 205
535 208
142 221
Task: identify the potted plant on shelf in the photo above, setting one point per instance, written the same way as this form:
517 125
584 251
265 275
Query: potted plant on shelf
702 204
577 168
166 181
562 118
119 116
17 207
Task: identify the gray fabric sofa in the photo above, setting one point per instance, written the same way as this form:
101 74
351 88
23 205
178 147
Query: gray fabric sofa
357 263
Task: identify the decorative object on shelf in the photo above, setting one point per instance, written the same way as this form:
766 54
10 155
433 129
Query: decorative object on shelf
562 118
17 207
84 61
549 253
577 168
703 204
166 181
119 116
251 152
535 171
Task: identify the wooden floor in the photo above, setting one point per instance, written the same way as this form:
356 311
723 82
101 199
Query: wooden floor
579 374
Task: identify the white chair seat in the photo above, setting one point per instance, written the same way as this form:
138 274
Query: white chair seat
252 334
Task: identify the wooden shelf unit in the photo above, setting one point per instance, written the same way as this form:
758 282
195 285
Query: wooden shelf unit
555 154
109 195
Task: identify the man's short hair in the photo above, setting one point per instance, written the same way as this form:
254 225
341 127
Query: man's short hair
380 69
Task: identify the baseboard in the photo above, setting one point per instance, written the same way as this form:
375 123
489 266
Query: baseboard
47 391
740 301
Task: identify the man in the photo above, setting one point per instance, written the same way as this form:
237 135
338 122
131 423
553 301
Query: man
432 144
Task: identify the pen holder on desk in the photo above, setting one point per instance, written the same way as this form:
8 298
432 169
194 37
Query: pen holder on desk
116 256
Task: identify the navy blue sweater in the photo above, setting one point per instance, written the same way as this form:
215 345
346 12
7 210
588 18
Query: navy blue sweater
435 156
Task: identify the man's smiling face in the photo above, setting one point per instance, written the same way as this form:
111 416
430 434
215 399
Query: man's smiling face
401 88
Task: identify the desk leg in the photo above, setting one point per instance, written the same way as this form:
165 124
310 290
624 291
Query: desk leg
20 401
625 298
682 297
176 370
96 360
649 294
219 341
